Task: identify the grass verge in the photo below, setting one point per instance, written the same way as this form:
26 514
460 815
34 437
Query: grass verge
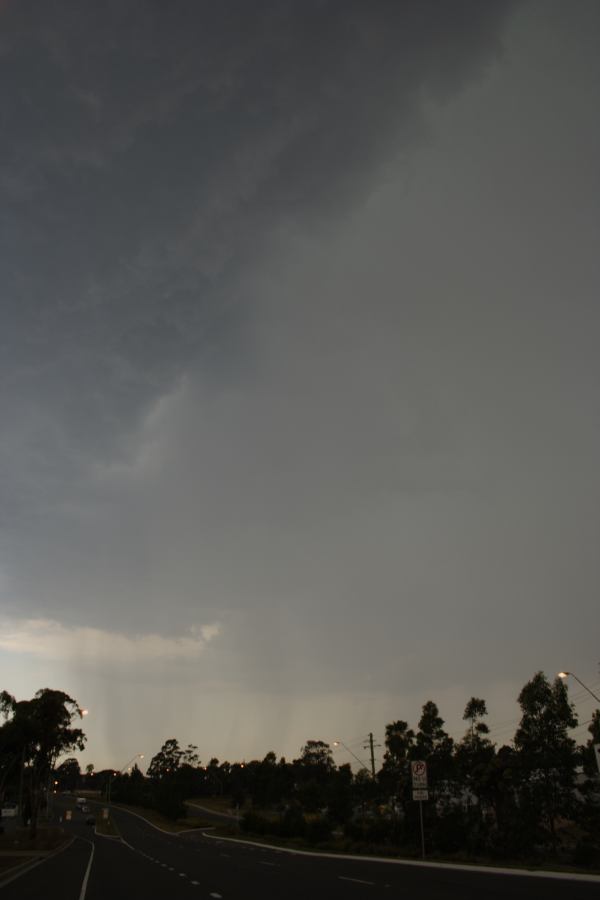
353 848
107 827
19 841
221 805
155 818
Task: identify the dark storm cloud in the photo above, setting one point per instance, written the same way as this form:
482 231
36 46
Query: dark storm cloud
149 149
299 349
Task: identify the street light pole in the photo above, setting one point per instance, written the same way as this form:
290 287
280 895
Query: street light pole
596 746
573 675
127 764
342 744
120 772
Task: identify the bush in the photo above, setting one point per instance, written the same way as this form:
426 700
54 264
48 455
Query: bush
318 830
586 854
169 802
293 823
254 823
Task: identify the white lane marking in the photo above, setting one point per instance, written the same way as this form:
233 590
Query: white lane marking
182 875
355 880
194 882
216 896
29 866
263 862
84 883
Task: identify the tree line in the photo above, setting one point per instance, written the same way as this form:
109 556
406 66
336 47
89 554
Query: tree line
537 797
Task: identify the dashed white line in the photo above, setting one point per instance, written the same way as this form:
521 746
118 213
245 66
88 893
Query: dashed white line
263 862
216 896
355 880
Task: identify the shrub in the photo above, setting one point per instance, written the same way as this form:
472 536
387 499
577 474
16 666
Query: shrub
318 830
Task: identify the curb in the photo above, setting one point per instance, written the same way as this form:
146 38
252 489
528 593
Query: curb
20 869
387 860
130 812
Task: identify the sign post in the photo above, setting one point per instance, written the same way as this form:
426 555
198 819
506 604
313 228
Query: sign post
418 770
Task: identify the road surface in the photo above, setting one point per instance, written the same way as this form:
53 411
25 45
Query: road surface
152 864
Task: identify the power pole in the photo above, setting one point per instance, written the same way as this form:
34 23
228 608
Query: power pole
371 746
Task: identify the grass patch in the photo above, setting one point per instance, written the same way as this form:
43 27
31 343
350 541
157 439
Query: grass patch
346 847
107 827
155 818
47 839
222 805
194 822
12 862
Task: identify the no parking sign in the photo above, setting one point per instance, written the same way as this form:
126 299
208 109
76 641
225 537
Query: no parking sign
418 770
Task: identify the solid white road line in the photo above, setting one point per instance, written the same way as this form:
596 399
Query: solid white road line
400 861
355 880
27 867
84 883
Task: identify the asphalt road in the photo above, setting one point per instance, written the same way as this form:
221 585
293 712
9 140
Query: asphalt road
151 864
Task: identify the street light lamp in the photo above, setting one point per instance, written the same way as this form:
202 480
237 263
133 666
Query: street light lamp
120 772
572 674
127 764
342 744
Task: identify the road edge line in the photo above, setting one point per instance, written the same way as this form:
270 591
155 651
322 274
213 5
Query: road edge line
84 883
461 867
23 868
148 822
213 812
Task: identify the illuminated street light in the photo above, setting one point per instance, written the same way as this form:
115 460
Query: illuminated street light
342 744
114 774
133 758
572 674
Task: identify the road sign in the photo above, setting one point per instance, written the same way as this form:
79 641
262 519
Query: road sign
420 794
418 770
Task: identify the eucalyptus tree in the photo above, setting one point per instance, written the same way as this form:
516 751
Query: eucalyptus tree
38 732
547 755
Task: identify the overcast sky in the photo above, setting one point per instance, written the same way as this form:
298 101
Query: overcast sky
299 363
